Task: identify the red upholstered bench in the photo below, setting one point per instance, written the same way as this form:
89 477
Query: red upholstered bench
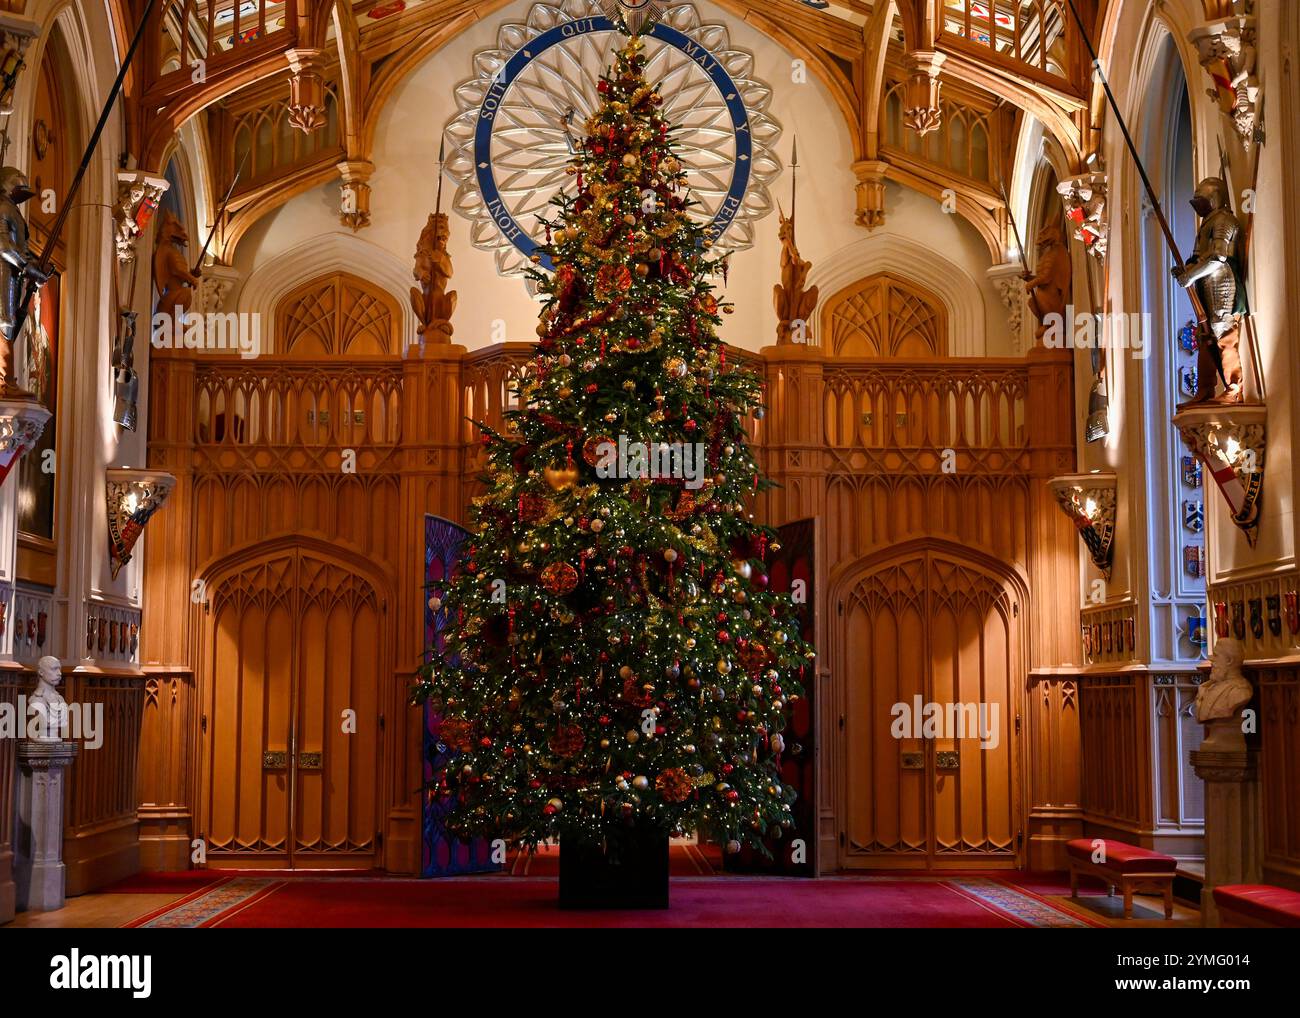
1129 867
1257 905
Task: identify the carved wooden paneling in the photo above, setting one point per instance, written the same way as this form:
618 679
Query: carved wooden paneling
1052 778
965 143
1278 695
1136 732
340 314
296 640
1026 35
166 741
934 627
266 145
1180 794
208 30
8 779
101 831
885 316
1116 748
252 475
272 406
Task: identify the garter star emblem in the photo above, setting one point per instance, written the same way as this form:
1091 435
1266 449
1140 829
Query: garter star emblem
510 143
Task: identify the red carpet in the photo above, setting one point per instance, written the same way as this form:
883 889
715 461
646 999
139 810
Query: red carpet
894 902
165 883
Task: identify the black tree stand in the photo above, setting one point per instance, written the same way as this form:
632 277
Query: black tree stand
628 872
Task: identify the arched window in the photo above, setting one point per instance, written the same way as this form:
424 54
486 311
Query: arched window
885 316
1174 478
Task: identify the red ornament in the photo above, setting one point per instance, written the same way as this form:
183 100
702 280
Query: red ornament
567 741
559 578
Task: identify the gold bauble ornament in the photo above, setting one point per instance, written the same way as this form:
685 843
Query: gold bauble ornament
560 478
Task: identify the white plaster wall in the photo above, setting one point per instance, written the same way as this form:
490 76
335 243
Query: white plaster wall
405 185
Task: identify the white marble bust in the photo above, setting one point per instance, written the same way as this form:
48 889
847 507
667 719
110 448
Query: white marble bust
46 702
1227 690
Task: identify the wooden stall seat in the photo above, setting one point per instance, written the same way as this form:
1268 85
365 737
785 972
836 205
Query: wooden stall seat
1257 905
1126 866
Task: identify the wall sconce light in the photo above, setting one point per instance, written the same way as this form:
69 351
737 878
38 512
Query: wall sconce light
133 496
21 424
1089 501
1230 441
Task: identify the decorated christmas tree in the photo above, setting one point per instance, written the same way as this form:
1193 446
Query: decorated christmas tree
615 660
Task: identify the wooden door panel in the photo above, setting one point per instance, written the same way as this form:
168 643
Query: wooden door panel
295 642
340 636
885 630
252 667
945 632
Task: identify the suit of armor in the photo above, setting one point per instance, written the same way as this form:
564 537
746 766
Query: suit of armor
1215 272
17 265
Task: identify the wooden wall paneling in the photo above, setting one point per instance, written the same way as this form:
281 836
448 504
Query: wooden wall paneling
1136 731
166 770
101 826
1180 794
1277 692
432 481
9 687
1116 750
171 607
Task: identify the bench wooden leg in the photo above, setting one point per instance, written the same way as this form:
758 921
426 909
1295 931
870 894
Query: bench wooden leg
1128 900
1169 899
1074 882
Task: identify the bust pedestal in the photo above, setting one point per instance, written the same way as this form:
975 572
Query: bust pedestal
38 827
1231 813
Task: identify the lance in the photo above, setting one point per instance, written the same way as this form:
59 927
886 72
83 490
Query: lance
225 203
43 263
1020 244
1202 322
794 181
442 154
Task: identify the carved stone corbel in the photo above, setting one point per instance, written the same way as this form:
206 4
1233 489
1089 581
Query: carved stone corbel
1084 198
1008 280
921 109
138 195
1227 51
1089 501
1230 440
215 286
306 89
871 192
354 193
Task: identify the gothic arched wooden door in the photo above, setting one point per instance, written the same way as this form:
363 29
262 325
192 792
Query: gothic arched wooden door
293 669
929 649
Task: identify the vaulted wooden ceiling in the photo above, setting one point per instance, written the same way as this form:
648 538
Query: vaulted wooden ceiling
334 64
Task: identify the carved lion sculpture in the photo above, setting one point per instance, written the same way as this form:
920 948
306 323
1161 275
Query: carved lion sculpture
172 277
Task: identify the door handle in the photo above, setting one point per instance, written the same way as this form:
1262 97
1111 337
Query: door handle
309 761
275 760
